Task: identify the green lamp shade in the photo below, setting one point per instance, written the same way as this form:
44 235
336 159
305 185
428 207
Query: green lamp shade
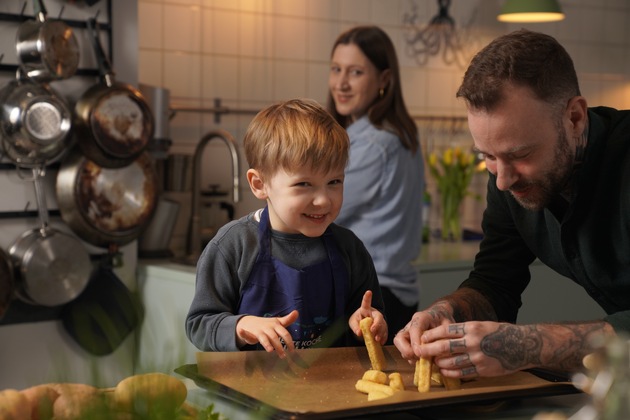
530 11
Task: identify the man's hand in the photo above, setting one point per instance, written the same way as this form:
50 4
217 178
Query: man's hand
409 339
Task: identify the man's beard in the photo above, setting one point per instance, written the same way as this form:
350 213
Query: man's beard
552 182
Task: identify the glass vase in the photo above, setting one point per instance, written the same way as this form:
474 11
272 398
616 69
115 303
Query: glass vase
451 229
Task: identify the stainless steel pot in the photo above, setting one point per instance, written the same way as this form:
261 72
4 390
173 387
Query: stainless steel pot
155 239
106 206
113 122
35 123
47 49
53 267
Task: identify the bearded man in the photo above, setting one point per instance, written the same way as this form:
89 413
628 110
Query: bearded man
559 191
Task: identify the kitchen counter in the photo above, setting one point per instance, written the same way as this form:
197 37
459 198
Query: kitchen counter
439 255
512 409
434 257
167 289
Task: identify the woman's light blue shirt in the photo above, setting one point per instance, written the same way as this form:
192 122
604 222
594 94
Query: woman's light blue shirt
382 204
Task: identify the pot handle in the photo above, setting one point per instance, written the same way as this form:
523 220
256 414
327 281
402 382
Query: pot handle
40 10
40 196
104 66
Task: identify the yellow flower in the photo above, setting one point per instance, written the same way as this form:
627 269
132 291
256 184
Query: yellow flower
453 172
433 159
448 157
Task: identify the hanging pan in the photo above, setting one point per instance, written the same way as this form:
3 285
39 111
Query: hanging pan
47 49
113 121
106 207
35 123
52 267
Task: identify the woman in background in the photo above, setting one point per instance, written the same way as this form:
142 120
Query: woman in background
384 181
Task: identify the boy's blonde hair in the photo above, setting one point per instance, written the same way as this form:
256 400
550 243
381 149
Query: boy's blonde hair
293 134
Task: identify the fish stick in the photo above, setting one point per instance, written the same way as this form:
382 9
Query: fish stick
368 386
436 375
423 374
377 395
375 376
395 381
374 348
451 383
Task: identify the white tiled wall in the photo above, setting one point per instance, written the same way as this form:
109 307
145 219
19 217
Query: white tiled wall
250 53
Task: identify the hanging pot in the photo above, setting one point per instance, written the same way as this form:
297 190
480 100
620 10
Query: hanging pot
47 49
106 206
114 124
7 287
52 267
35 123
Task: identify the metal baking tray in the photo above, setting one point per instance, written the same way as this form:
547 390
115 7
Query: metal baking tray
320 384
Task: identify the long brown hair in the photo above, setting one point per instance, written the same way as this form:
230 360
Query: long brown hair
389 110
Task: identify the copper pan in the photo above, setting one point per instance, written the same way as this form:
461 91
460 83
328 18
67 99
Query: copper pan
106 206
113 121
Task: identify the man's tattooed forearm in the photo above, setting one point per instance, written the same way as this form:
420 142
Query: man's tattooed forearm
514 346
559 346
573 342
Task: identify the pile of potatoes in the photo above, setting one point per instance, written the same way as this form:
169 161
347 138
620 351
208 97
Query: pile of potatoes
146 396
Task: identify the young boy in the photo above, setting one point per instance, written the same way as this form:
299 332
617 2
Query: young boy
286 276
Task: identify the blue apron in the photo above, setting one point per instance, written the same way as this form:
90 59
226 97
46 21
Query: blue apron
318 291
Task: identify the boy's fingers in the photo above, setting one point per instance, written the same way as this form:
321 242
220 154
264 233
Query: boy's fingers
366 303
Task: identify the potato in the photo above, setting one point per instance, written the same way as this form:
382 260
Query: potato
41 399
14 405
150 394
79 401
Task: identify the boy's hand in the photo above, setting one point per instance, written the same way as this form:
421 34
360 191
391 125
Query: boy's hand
379 326
267 332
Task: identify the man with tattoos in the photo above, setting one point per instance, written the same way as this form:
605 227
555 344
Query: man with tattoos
559 191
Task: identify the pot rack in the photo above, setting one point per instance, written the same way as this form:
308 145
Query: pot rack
75 24
18 18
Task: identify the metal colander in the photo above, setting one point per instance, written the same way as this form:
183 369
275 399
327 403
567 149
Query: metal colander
44 122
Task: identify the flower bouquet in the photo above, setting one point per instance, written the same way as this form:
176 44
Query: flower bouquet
453 171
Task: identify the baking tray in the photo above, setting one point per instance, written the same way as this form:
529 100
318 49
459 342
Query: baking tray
319 384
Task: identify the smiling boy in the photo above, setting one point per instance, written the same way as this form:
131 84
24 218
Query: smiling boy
286 276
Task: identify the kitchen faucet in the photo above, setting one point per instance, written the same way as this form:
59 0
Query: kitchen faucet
194 232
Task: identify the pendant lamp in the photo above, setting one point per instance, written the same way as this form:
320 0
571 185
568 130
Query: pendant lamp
531 11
